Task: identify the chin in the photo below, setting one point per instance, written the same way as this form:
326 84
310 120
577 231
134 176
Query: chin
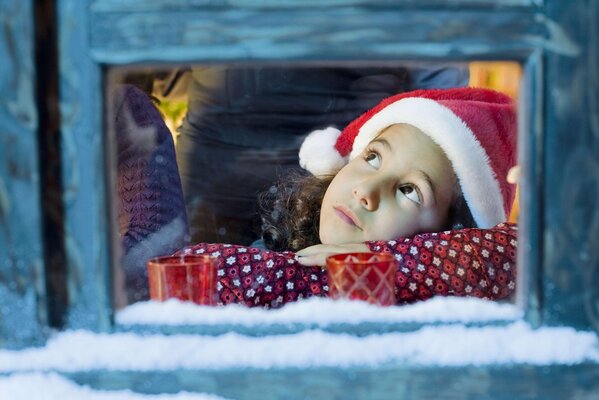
328 238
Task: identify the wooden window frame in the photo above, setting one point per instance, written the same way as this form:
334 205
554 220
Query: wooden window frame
547 37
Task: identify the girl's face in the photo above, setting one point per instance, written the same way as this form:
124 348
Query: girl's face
401 185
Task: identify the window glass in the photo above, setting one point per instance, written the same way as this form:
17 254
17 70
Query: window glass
207 161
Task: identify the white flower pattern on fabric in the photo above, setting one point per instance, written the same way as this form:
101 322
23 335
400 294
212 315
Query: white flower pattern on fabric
465 263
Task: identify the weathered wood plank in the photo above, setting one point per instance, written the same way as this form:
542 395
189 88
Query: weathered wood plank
530 149
161 5
87 215
22 300
360 329
571 166
338 34
368 382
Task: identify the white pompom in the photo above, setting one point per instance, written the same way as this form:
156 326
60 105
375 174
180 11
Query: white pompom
318 154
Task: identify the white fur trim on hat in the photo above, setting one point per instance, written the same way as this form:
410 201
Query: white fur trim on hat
318 154
468 158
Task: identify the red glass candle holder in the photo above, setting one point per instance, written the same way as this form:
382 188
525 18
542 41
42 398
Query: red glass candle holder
362 276
187 277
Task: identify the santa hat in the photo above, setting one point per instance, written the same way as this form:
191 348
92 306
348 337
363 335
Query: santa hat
476 128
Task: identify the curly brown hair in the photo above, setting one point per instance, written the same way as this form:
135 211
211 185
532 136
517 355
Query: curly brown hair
290 211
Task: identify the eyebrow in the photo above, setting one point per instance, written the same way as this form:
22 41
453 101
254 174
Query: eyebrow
384 142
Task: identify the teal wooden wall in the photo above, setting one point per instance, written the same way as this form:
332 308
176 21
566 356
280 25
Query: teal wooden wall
23 314
570 255
87 229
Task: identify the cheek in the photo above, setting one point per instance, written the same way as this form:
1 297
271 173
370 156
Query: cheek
332 231
403 228
325 225
323 231
396 225
331 196
433 220
339 183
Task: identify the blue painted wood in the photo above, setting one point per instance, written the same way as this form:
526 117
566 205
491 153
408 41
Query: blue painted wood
87 215
360 329
369 382
337 34
530 149
571 167
161 5
22 289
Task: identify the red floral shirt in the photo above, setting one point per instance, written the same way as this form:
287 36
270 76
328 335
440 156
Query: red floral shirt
467 262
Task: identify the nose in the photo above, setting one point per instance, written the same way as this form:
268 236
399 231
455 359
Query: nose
368 195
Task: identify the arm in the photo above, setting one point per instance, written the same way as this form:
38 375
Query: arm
149 187
255 277
151 211
468 262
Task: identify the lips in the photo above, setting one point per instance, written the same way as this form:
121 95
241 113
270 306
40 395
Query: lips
348 216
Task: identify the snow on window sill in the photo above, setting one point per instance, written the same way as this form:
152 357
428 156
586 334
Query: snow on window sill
433 345
320 312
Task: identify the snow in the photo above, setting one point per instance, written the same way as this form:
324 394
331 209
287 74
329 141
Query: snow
447 341
320 312
446 345
52 386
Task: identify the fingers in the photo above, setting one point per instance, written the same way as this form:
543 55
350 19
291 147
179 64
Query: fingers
309 250
314 255
513 175
315 260
317 255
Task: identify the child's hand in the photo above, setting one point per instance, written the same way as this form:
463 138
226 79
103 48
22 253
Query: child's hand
317 255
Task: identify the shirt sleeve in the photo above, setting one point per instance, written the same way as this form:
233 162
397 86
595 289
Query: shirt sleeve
262 278
465 262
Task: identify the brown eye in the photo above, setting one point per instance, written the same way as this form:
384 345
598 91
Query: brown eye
373 158
411 192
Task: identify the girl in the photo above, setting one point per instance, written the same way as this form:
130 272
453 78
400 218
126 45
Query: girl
420 175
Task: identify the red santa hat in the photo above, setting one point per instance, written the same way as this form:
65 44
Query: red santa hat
476 128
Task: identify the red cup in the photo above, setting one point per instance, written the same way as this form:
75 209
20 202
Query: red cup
188 277
362 276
